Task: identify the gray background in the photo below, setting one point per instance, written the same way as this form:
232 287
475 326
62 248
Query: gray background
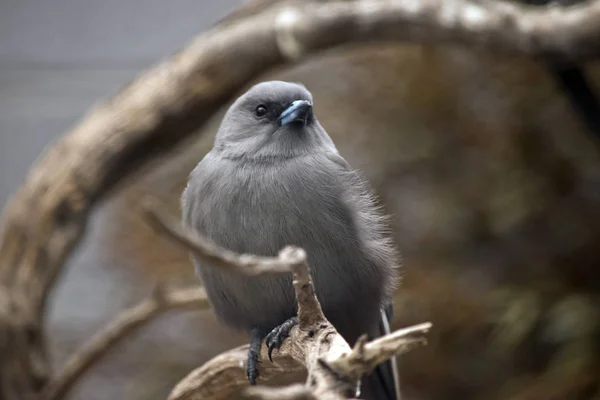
58 58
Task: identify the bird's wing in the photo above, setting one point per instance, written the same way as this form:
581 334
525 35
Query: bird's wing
383 383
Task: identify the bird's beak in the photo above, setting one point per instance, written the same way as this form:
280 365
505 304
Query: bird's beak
297 111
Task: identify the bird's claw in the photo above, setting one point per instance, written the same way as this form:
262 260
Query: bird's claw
275 338
252 370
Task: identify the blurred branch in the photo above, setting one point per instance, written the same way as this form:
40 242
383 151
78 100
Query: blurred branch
566 32
334 369
292 392
124 324
47 217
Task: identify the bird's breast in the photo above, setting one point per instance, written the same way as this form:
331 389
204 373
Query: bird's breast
262 210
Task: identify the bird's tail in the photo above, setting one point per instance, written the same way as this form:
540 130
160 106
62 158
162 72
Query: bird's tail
383 383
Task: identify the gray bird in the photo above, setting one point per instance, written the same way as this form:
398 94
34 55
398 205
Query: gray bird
274 178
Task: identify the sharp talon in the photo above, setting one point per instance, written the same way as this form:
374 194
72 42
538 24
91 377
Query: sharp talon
271 341
271 347
275 338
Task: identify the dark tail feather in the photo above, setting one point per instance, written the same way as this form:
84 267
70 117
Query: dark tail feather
383 383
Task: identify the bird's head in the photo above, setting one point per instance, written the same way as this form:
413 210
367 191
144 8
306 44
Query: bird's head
272 120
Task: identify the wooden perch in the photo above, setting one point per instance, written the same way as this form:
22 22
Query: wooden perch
334 369
127 322
207 250
292 392
47 217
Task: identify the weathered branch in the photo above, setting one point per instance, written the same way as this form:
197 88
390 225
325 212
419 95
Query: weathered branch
290 260
334 370
124 324
225 374
292 392
210 252
47 217
366 356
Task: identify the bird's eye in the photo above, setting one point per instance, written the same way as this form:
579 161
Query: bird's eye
260 111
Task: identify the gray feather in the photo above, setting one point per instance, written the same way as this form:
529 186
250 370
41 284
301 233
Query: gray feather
263 187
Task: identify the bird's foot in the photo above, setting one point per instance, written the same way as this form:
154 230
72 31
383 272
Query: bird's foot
253 357
276 337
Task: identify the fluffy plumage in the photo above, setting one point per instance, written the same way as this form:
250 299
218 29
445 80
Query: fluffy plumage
265 185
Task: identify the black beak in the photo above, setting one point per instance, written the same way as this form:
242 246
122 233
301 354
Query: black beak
299 110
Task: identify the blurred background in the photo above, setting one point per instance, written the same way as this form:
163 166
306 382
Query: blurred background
492 180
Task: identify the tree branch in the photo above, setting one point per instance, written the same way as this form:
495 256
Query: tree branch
334 369
366 356
207 250
124 324
292 392
47 216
